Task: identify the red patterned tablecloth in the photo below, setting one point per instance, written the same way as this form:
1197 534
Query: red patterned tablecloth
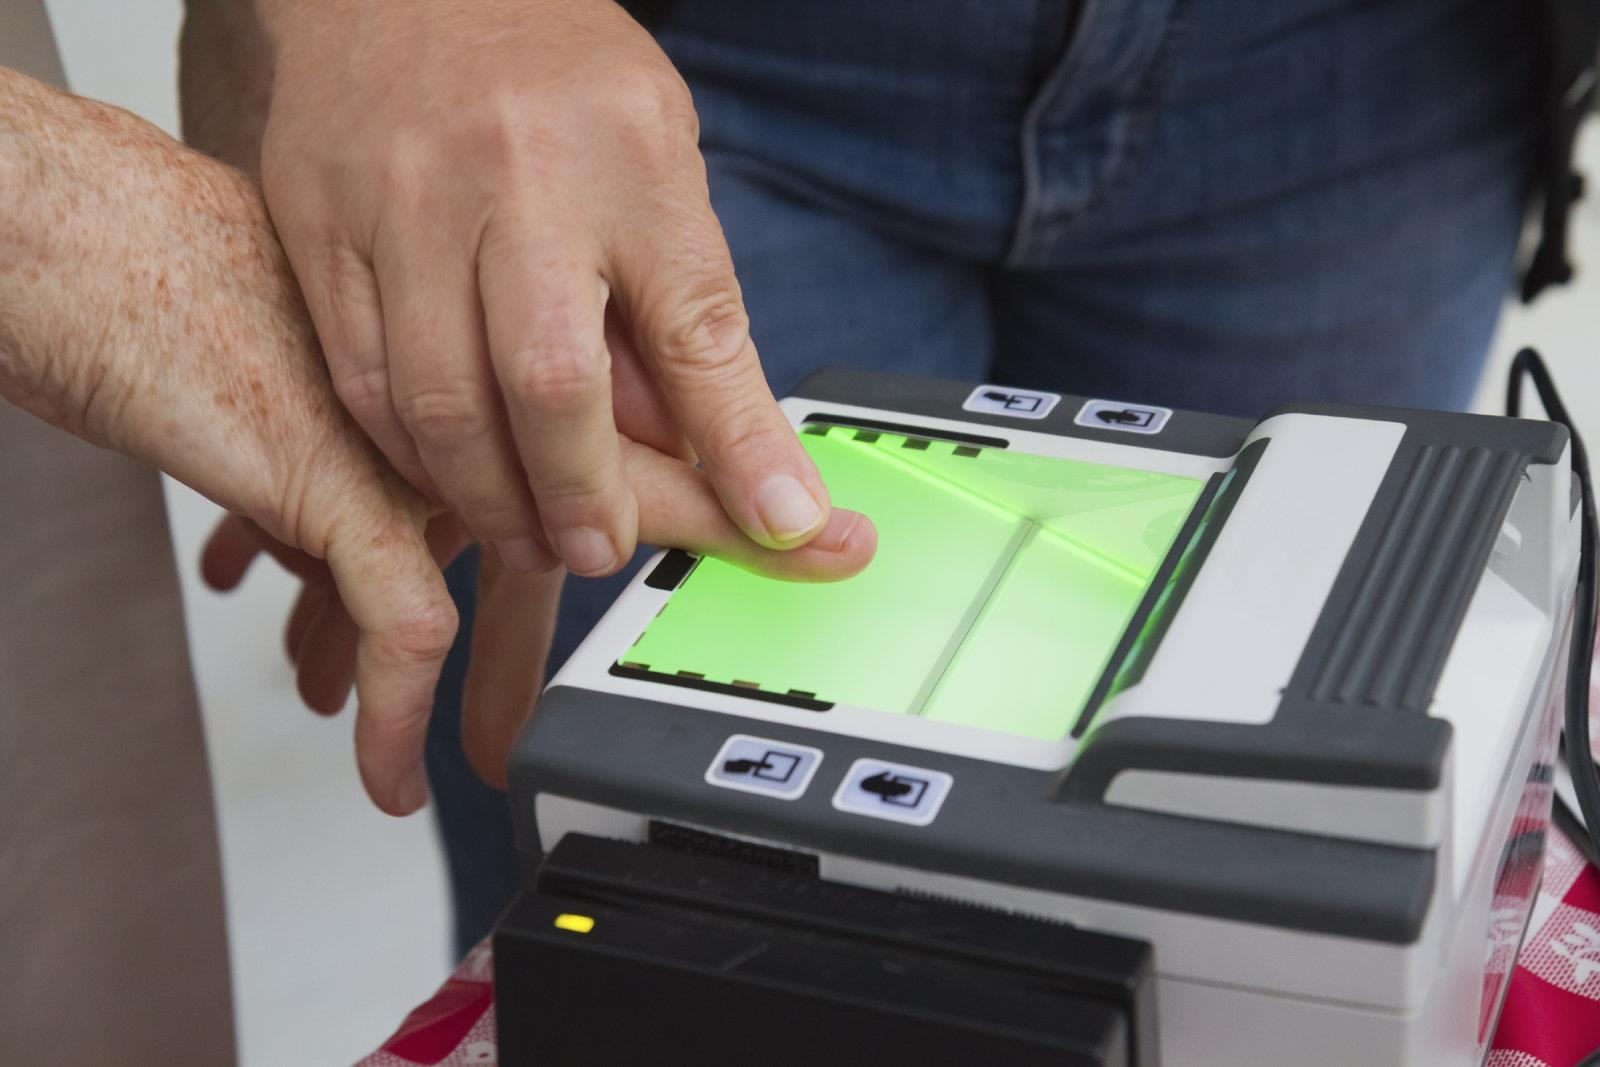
1551 1016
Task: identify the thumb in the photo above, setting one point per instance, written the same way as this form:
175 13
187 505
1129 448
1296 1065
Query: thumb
397 598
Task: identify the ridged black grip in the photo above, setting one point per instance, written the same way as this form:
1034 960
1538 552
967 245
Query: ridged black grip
1413 589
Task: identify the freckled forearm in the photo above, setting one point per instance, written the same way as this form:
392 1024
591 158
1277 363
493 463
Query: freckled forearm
53 244
21 155
73 177
145 304
26 203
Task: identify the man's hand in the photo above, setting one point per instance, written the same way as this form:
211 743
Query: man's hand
498 212
145 305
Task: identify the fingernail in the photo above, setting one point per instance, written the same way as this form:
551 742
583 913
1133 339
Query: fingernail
586 550
522 554
787 509
413 792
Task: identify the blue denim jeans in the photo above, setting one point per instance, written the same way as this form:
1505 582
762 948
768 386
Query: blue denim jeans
1216 204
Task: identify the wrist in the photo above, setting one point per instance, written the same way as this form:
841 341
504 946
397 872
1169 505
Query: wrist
24 173
21 154
64 161
21 174
36 131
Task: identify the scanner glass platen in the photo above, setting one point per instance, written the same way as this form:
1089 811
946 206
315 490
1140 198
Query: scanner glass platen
1001 585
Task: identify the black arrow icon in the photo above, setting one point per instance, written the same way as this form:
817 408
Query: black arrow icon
886 785
890 788
1123 418
746 766
773 766
1013 401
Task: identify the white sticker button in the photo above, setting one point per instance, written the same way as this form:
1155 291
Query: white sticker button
1018 403
892 791
1129 418
757 765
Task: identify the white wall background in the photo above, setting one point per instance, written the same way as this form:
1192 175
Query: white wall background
337 913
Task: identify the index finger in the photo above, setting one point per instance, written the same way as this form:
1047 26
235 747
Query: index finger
677 289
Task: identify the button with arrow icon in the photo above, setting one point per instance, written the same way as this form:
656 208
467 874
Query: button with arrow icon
759 765
1115 415
1017 403
892 791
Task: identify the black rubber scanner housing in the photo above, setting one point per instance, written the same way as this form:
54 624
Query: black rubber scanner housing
693 958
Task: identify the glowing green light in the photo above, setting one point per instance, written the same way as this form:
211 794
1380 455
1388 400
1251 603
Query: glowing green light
1001 585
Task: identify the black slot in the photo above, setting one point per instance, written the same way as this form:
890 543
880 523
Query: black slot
695 680
693 842
823 418
672 570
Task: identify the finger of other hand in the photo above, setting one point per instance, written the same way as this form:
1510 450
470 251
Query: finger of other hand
233 545
444 390
343 299
544 309
307 606
327 657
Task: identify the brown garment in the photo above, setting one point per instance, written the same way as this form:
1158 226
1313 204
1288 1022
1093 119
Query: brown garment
113 948
26 43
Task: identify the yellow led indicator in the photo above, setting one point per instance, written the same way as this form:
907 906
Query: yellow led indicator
578 924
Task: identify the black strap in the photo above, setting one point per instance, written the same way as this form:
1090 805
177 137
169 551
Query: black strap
1571 49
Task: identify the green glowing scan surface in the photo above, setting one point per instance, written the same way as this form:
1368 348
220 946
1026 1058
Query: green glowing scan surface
1001 585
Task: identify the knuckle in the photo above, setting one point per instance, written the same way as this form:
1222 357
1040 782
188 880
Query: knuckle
493 511
557 380
704 334
504 138
575 495
442 416
651 98
395 180
364 392
349 289
742 434
424 632
403 167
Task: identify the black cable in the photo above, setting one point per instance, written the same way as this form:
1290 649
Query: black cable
1568 823
1580 760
